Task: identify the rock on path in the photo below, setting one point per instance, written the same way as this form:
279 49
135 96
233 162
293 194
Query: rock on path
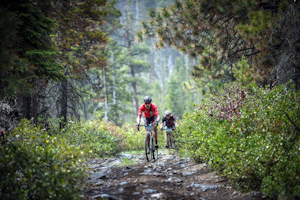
171 177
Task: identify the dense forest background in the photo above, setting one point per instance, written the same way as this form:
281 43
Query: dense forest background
95 68
73 75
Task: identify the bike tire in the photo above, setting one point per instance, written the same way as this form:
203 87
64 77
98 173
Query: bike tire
168 139
171 142
148 150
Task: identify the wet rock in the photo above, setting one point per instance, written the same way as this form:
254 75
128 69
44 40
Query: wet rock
106 196
152 174
177 163
183 165
159 169
174 180
159 196
136 193
204 187
98 175
123 183
128 156
149 191
100 182
95 165
187 173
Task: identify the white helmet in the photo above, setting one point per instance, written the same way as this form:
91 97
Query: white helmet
167 112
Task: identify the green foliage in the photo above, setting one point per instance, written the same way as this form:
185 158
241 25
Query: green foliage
94 138
175 97
35 165
40 164
244 75
128 162
255 143
26 48
221 32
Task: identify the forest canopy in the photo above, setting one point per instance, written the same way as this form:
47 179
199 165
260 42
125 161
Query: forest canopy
220 33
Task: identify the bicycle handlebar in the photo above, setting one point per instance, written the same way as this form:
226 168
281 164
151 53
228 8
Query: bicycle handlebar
146 125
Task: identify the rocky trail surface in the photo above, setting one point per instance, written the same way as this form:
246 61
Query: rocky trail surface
171 177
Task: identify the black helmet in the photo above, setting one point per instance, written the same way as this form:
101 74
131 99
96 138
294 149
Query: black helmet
147 99
167 112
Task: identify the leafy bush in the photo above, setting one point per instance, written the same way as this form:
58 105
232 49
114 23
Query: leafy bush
38 164
35 165
94 137
252 139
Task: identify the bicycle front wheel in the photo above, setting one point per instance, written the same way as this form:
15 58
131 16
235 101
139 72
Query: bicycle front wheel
148 150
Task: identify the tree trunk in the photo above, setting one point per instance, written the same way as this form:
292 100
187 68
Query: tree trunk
105 93
35 103
153 65
162 81
170 65
64 102
186 64
26 110
137 10
114 87
133 85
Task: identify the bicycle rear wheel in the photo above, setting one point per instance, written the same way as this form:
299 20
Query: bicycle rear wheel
148 150
171 141
168 140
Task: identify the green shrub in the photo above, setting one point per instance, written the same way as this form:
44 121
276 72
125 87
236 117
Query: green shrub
93 137
252 140
34 165
40 164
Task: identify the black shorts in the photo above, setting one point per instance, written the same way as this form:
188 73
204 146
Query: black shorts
150 120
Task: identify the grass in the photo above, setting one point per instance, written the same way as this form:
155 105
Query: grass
128 162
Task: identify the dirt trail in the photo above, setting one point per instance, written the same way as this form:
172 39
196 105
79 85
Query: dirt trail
171 177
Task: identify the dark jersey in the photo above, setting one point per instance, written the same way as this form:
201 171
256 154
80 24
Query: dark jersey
169 122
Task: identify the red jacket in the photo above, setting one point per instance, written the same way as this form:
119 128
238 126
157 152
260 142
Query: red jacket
146 111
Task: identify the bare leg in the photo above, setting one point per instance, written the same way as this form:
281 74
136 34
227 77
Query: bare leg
155 132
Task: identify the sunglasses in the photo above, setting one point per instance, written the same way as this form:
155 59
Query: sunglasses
147 103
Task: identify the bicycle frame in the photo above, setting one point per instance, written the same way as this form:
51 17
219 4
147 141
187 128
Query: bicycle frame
149 143
169 136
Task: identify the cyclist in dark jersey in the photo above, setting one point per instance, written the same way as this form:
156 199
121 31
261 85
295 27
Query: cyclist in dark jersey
169 122
152 116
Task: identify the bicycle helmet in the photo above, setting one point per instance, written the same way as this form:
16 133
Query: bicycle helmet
167 112
147 99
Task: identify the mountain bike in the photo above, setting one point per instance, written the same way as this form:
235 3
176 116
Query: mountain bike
170 142
150 150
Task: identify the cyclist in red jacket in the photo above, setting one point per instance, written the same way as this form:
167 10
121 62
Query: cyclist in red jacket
151 114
